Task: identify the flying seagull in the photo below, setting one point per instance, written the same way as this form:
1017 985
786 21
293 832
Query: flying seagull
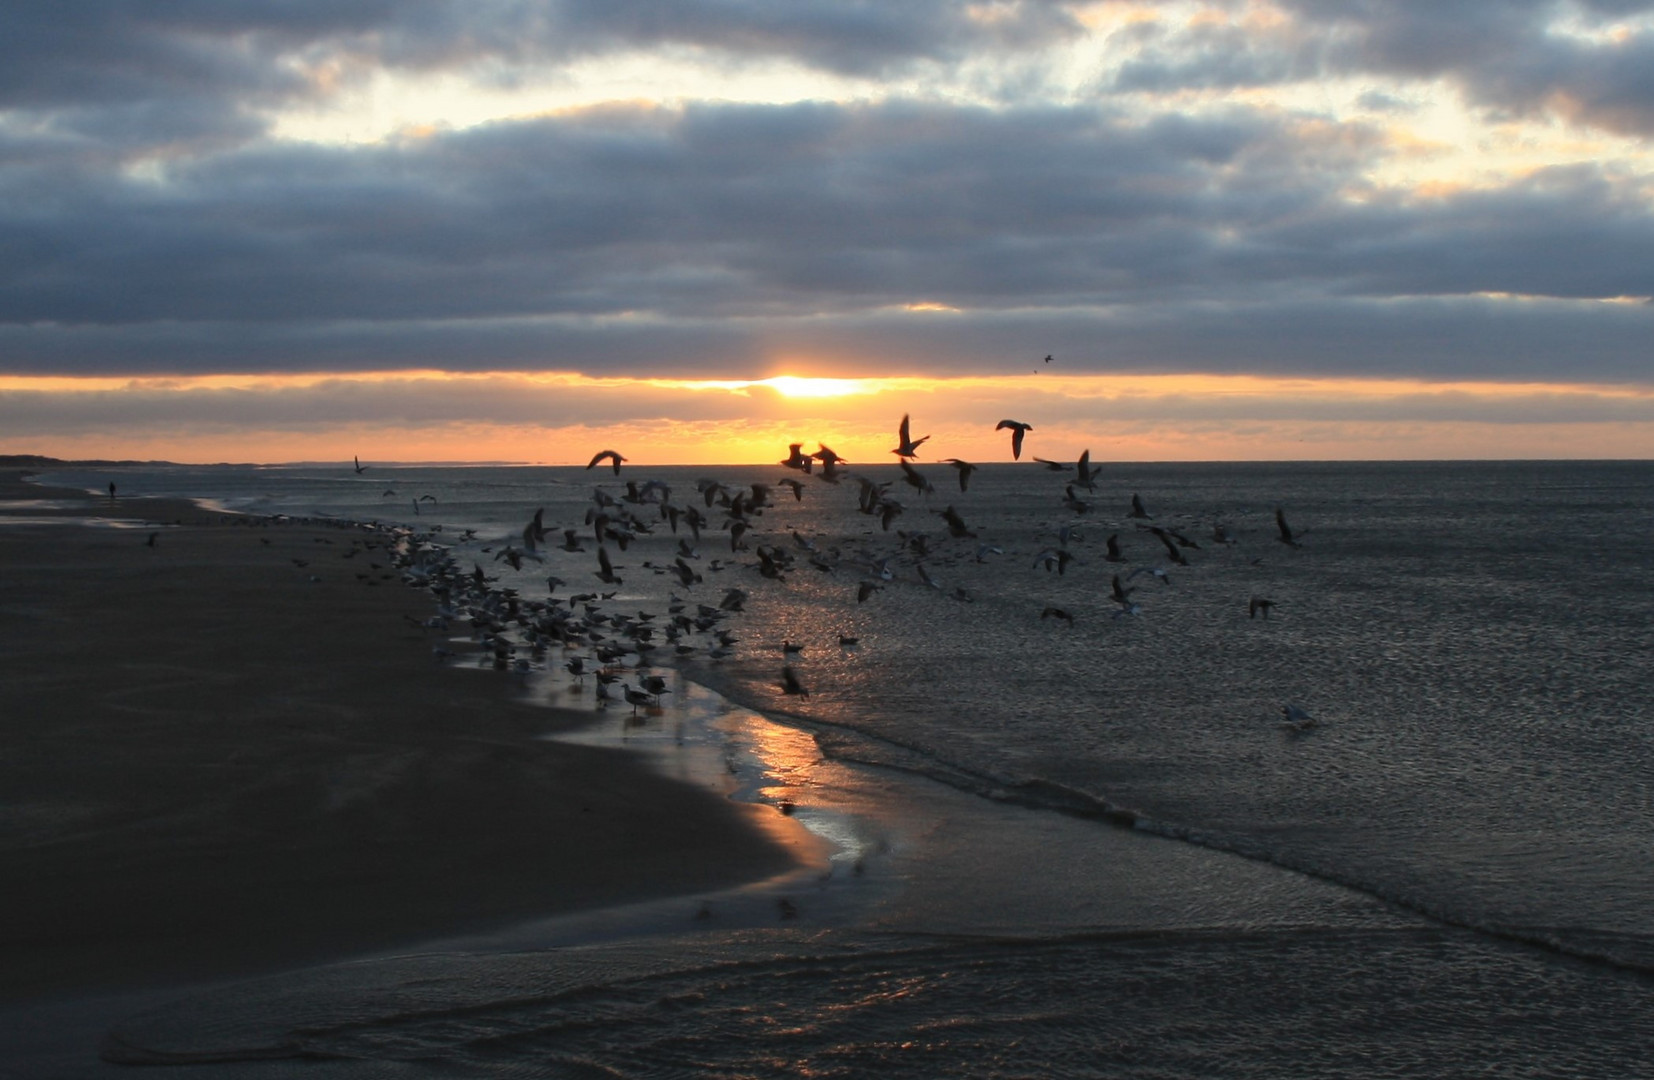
1017 429
965 469
909 447
797 459
612 455
1286 536
360 468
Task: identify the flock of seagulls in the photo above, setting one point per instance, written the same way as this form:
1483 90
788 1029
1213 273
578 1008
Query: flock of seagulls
517 631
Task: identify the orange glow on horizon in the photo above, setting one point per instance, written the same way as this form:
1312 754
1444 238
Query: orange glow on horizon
563 417
1101 385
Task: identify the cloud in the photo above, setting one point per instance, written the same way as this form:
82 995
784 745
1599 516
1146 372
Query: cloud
151 226
66 60
1513 57
642 238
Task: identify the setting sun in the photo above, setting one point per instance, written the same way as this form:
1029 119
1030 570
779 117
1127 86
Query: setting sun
799 387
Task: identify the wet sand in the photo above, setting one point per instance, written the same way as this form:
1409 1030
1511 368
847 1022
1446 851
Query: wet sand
217 762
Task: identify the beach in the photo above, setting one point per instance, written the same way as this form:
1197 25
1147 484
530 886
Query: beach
219 762
257 828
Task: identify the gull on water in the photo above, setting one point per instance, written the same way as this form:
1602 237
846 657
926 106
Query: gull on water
790 683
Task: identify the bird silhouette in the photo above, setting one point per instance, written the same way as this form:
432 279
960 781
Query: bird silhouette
790 683
1017 429
965 469
1285 536
909 447
613 457
797 459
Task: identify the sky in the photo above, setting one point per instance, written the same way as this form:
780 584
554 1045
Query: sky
508 230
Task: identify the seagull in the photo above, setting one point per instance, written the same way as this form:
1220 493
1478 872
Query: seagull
1297 717
1165 578
606 571
797 459
1120 594
790 683
1054 466
1114 549
1137 510
1171 545
1017 429
360 468
956 525
654 684
909 447
829 463
917 480
1085 474
635 698
795 487
1259 604
1057 613
613 457
1286 536
1058 557
965 469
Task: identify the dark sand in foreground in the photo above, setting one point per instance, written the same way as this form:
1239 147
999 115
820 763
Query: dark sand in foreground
214 764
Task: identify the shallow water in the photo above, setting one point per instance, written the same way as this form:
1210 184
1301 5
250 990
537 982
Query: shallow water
1460 842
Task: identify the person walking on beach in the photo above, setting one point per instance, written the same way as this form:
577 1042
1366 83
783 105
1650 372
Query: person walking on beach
111 491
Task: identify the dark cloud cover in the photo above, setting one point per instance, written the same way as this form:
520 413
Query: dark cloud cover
1505 55
147 226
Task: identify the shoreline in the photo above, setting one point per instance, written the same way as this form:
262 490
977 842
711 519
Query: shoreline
226 764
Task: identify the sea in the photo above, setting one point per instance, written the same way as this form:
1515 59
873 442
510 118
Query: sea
1161 770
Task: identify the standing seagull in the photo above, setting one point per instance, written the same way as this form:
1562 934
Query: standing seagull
1018 429
909 447
790 682
612 455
